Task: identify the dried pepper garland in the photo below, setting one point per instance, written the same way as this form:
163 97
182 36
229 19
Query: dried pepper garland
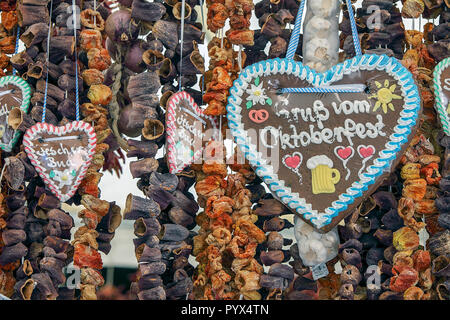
60 103
226 244
8 34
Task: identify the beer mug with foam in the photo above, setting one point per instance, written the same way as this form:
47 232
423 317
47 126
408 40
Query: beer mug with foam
324 177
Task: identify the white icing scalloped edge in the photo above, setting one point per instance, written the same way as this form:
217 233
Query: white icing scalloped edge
409 116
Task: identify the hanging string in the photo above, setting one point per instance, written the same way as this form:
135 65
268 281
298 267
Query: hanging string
44 107
77 102
182 41
17 46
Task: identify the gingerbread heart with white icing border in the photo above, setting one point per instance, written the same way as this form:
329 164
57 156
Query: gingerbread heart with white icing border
186 126
441 84
14 93
61 155
375 123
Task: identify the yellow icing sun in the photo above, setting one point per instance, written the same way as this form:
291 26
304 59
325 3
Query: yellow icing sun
385 95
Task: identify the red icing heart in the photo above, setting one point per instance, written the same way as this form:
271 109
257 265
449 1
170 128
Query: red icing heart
293 161
344 153
366 152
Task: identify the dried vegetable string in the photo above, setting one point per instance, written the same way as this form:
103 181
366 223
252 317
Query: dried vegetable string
101 218
164 217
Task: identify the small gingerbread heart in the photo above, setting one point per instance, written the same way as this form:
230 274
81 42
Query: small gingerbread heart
187 129
61 155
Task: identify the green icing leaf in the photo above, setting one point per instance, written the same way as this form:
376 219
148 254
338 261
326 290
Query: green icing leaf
52 174
257 81
249 104
74 172
269 101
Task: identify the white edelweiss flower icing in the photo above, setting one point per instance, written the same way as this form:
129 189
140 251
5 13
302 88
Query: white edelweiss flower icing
315 161
256 94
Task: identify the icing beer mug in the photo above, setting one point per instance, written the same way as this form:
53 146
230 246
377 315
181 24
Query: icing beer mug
324 177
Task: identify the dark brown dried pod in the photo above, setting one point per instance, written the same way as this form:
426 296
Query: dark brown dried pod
271 282
21 61
157 293
441 266
271 28
443 290
136 207
35 34
92 19
146 227
176 11
367 206
385 200
439 244
153 59
45 285
274 224
167 32
149 281
120 27
143 84
149 254
153 129
179 216
274 241
278 47
192 64
152 268
142 167
141 149
281 270
173 232
350 274
30 14
132 117
11 237
25 288
13 253
270 207
15 172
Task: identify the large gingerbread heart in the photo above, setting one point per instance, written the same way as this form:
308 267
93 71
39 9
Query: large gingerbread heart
442 93
187 129
14 93
322 154
61 155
